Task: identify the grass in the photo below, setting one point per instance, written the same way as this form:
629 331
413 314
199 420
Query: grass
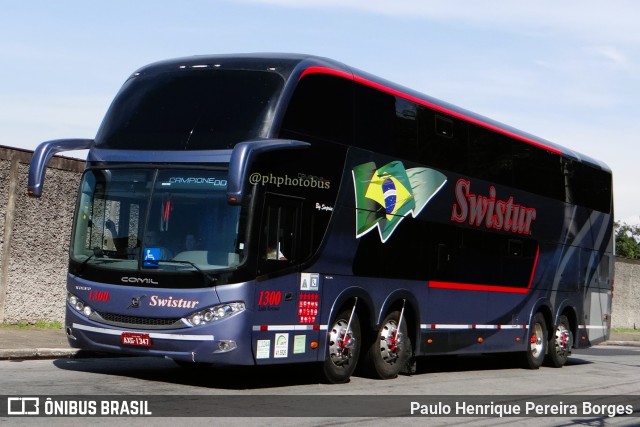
38 324
624 330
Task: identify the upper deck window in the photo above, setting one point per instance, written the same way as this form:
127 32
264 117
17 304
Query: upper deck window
190 110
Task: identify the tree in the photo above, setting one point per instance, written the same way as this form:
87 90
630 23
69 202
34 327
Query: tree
627 238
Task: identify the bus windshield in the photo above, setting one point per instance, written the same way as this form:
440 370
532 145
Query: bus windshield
173 219
190 110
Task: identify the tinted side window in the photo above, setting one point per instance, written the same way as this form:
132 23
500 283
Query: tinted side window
374 119
490 156
589 186
406 129
320 109
421 250
442 141
538 171
280 233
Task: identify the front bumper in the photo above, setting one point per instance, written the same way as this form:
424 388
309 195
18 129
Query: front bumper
205 344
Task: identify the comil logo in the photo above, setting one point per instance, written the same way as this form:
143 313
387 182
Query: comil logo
142 280
23 406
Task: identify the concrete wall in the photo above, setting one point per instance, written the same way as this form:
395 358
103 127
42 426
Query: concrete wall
626 294
34 244
35 237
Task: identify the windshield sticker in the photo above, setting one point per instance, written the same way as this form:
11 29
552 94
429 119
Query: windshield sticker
198 180
386 195
195 182
151 257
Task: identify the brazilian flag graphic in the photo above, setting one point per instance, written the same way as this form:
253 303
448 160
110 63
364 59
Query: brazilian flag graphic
385 195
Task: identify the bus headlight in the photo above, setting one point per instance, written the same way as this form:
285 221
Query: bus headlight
212 314
78 305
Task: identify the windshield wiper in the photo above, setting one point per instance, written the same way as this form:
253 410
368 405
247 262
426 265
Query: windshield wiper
96 253
205 275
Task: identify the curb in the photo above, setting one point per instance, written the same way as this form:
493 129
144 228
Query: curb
622 343
38 353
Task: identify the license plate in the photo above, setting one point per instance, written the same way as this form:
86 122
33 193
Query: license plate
135 339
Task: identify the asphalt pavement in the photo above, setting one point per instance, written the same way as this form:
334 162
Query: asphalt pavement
47 343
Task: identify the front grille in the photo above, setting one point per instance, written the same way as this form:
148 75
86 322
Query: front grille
138 322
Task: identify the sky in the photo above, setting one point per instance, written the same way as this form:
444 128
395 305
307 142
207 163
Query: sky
567 71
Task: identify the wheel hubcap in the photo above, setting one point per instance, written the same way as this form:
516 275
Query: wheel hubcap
537 344
390 339
341 343
563 340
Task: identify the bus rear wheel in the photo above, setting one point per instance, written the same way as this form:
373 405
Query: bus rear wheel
343 348
560 344
536 343
391 349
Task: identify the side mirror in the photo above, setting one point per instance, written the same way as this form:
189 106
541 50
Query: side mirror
245 154
43 154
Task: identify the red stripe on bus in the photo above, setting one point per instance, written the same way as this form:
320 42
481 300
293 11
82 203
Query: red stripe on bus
476 287
490 288
395 92
535 265
329 71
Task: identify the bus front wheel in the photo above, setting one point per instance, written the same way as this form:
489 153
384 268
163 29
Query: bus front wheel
343 348
536 343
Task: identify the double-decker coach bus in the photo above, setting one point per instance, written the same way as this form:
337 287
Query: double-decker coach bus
264 209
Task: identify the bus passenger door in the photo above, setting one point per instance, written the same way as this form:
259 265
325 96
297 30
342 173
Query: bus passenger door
275 335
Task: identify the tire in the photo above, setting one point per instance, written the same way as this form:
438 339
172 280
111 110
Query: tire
560 344
341 360
537 342
391 349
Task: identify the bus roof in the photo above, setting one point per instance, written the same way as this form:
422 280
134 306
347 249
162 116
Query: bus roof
292 67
